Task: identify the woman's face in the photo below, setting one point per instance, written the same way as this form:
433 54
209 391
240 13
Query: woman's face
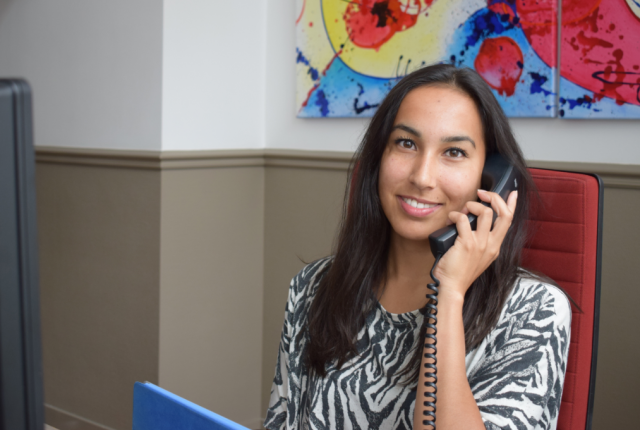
433 161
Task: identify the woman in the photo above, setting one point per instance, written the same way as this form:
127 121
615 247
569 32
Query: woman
352 342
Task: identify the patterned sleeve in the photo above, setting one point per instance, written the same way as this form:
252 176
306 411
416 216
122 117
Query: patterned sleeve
291 374
518 381
277 412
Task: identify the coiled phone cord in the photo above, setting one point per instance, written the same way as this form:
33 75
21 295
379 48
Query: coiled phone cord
430 351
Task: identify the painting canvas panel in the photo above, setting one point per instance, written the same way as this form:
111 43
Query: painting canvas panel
349 54
600 59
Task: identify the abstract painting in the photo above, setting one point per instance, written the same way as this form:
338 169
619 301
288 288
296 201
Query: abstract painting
350 53
600 59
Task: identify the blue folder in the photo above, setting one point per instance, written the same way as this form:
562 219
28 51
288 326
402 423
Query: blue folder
158 409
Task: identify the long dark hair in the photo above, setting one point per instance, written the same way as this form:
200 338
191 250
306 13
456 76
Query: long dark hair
347 291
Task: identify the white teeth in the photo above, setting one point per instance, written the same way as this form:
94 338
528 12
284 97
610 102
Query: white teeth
415 204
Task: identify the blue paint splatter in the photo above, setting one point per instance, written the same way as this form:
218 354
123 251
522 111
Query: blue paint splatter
322 102
302 59
584 101
341 86
364 107
487 23
538 81
579 104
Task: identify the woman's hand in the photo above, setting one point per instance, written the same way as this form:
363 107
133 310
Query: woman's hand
471 254
474 251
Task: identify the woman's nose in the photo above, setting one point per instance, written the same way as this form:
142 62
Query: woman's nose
424 173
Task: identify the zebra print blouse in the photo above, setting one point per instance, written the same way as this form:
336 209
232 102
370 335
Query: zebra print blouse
516 374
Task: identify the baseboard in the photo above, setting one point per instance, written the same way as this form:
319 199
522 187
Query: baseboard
63 420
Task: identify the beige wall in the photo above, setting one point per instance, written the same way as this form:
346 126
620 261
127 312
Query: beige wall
99 270
302 210
152 270
618 378
211 288
203 247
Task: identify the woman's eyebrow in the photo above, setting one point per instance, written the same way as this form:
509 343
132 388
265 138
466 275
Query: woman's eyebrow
449 139
407 129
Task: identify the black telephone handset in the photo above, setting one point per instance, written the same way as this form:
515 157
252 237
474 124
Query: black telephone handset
499 177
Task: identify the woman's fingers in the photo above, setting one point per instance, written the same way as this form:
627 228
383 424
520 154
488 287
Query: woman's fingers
485 237
485 217
505 212
512 200
463 211
461 221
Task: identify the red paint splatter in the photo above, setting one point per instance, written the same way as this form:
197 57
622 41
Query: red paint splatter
595 54
304 103
538 19
336 55
304 3
536 12
588 43
371 23
499 62
577 10
310 24
502 9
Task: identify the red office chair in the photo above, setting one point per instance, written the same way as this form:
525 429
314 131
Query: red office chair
567 247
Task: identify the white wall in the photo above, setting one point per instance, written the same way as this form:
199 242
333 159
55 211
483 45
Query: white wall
213 74
204 74
592 141
603 141
94 67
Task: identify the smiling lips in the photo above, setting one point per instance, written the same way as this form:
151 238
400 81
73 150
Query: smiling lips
417 208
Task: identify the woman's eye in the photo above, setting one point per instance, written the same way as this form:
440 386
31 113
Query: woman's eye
456 152
405 144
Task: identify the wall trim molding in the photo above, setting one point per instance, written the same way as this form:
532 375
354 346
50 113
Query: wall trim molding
63 420
613 175
177 160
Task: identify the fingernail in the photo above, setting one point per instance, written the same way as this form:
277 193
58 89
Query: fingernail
481 191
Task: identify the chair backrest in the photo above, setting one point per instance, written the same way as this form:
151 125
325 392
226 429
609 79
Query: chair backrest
566 246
